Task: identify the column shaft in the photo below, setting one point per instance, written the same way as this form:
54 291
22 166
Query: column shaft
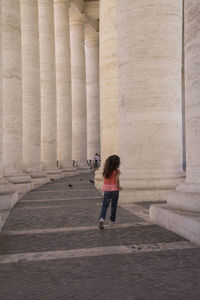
108 79
187 195
48 84
92 88
12 95
79 119
108 67
182 212
11 87
150 124
1 104
63 83
31 86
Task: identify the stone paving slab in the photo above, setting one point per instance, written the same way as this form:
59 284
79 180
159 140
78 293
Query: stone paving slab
56 203
83 215
56 195
97 272
144 276
58 187
88 239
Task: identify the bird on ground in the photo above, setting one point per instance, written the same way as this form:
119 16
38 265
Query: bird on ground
70 185
92 181
52 179
81 179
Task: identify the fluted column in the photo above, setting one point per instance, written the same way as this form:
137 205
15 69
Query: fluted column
7 197
1 104
150 122
31 90
187 195
63 85
12 92
109 114
79 118
181 214
92 91
48 86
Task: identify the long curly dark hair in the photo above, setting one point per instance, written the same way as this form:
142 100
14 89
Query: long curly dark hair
111 164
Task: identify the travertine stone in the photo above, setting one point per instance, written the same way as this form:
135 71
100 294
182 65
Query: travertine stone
1 106
11 87
92 91
48 84
182 213
63 84
79 118
31 88
150 118
12 91
108 83
10 74
187 195
183 223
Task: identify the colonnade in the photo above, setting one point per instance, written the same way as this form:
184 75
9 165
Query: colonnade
43 117
141 84
181 214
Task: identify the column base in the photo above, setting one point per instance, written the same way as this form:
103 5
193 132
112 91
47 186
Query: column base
185 224
54 174
127 195
69 171
3 217
8 198
38 178
186 198
86 169
21 183
98 179
139 186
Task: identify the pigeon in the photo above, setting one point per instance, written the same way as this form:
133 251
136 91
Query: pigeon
92 181
52 179
81 179
70 185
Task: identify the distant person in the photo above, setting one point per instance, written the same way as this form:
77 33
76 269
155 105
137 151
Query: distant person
111 188
97 161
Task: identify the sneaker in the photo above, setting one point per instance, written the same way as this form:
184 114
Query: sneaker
101 225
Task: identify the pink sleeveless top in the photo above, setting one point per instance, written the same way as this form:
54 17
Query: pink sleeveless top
109 184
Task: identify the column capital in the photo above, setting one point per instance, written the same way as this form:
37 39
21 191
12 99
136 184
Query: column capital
76 18
91 38
62 2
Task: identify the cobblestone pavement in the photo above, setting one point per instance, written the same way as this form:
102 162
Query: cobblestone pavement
51 248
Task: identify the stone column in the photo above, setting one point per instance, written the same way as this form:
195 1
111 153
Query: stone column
182 214
48 88
109 115
7 197
31 91
79 118
63 86
12 95
150 115
92 89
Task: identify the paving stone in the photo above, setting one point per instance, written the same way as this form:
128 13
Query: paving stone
152 276
165 275
88 239
76 215
63 194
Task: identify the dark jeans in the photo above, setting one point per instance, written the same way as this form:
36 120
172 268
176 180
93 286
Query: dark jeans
113 197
